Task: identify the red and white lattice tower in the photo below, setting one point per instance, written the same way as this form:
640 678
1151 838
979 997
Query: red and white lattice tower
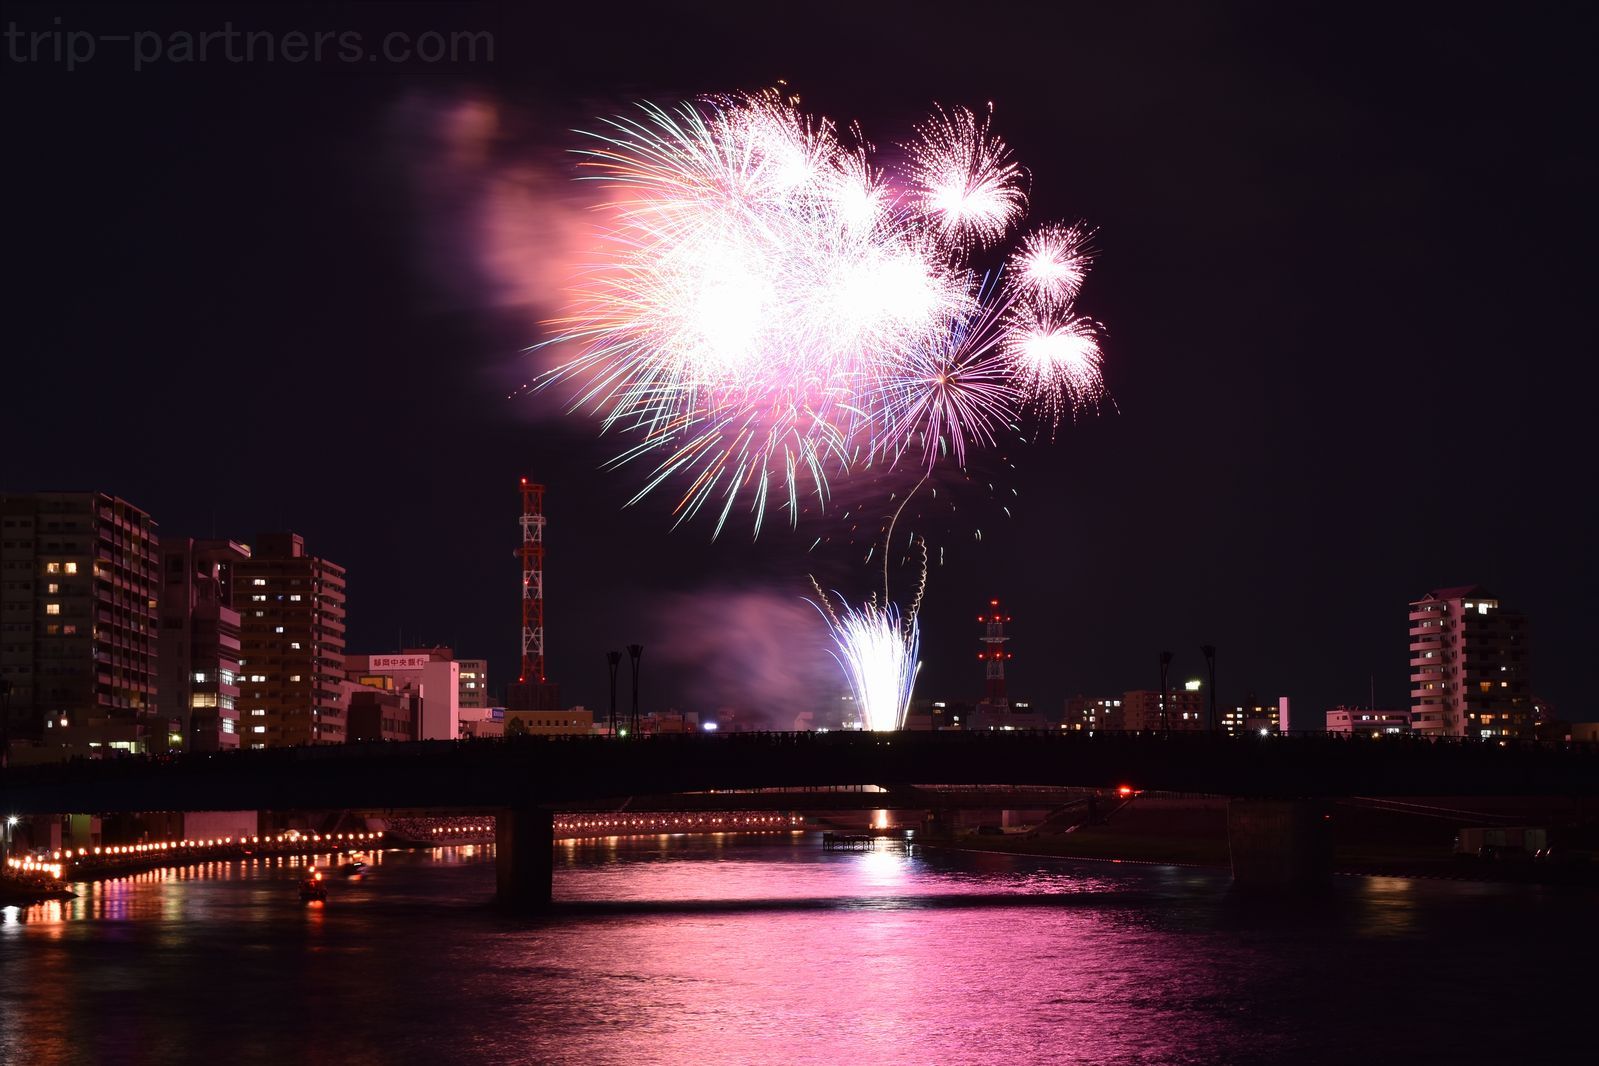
994 653
532 555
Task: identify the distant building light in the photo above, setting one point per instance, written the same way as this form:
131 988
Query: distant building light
710 727
1192 686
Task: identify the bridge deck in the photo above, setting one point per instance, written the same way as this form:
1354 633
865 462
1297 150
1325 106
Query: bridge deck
525 772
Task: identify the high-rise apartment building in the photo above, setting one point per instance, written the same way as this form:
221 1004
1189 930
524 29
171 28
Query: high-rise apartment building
291 656
199 645
78 586
1469 668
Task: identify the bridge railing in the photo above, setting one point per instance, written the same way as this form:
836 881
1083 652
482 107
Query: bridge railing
477 749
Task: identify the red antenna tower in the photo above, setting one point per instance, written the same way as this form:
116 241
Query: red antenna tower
532 555
994 653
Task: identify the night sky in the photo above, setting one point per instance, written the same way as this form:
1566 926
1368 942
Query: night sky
1345 270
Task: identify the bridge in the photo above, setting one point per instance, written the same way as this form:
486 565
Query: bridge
1275 781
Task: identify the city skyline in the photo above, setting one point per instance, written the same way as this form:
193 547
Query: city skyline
1267 452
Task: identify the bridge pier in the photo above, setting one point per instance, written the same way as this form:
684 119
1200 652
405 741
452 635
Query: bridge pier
1279 844
524 860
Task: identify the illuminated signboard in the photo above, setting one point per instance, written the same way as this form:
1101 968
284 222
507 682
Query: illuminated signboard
399 662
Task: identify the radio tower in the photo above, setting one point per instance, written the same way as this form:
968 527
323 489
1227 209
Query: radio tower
532 555
994 654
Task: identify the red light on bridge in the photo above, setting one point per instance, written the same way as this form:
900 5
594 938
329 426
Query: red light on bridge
1124 791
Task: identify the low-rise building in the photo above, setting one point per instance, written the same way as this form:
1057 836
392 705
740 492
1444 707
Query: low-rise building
1367 720
1089 713
1142 710
577 721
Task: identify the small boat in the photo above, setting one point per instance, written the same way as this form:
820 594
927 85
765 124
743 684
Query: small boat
312 890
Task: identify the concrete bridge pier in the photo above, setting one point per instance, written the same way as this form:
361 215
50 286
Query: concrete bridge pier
1279 844
524 859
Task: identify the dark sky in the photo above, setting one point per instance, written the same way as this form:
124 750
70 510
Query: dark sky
1346 273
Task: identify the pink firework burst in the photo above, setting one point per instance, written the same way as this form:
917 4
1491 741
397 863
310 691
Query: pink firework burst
1055 359
1050 265
964 178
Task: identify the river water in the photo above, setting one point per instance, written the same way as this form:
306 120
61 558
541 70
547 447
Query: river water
766 949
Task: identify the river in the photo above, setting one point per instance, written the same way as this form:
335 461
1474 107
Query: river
766 949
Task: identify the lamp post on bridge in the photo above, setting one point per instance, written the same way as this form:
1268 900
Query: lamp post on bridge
613 659
1209 652
1165 694
634 651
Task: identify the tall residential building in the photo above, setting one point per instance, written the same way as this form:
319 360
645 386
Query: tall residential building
78 584
1469 668
199 646
475 686
291 658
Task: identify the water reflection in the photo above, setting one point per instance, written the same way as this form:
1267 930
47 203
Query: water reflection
738 949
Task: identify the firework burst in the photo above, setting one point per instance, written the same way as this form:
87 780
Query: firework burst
1055 359
1050 265
965 179
766 309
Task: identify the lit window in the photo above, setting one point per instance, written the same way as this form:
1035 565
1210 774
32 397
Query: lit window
258 729
275 629
293 643
228 726
259 581
52 568
295 597
72 568
52 608
199 675
294 677
203 699
52 588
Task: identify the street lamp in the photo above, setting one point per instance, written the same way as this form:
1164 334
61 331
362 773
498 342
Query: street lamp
1165 696
634 651
1209 652
613 659
5 721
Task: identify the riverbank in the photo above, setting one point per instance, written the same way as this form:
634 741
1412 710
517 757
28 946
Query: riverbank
25 892
1193 832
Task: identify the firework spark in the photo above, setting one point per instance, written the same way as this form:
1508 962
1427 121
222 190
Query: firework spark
877 650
